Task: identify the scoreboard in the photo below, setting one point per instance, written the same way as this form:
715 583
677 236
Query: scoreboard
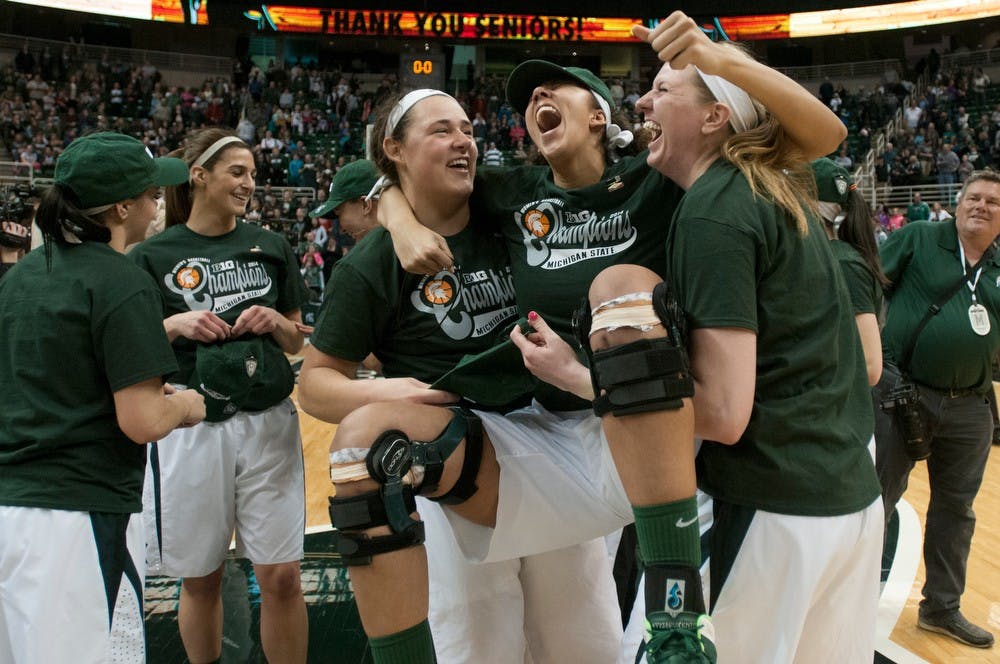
422 70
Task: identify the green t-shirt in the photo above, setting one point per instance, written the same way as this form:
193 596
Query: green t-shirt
73 336
417 326
226 274
559 240
864 289
922 262
738 261
918 212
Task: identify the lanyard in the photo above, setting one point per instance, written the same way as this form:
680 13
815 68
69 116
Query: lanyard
971 283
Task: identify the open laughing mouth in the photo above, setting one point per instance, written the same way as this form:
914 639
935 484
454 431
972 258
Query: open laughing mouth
460 164
547 117
652 127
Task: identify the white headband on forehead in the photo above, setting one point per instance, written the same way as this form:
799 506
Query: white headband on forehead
617 138
405 104
215 147
742 111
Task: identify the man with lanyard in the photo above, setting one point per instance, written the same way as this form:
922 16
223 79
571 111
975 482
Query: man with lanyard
942 331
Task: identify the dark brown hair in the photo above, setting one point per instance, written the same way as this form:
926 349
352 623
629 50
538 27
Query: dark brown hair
180 197
857 230
385 165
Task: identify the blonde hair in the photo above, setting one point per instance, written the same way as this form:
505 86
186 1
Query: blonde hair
772 163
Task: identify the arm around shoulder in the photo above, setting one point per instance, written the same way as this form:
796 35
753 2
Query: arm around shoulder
419 249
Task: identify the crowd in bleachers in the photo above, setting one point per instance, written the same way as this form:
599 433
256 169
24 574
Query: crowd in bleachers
304 124
947 129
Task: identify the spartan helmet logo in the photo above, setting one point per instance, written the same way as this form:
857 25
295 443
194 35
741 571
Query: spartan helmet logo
438 291
537 223
842 185
439 295
251 366
187 277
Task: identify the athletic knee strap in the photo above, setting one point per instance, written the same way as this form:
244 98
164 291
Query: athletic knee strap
370 510
644 375
465 486
641 376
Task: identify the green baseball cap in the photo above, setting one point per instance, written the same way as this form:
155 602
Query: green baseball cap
225 373
833 182
352 181
107 167
531 73
493 378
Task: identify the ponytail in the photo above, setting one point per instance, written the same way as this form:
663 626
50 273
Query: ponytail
62 222
857 230
179 198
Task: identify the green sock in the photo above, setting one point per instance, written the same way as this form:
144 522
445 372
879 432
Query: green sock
668 533
413 645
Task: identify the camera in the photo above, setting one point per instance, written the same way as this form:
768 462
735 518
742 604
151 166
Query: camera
16 207
904 398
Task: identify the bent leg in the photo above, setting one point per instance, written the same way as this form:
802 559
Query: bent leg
653 448
391 591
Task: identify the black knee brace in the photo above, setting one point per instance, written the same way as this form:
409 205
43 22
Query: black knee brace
644 375
388 461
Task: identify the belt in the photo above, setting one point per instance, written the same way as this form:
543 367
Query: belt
950 392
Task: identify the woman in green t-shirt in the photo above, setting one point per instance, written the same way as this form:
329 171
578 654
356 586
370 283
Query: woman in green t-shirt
81 383
848 222
232 294
781 395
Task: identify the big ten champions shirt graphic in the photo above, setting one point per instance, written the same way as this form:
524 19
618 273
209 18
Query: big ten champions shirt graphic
555 237
220 285
467 304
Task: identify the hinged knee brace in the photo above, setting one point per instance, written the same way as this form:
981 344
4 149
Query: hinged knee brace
391 457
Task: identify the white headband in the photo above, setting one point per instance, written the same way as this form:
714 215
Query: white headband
215 147
742 111
617 138
405 104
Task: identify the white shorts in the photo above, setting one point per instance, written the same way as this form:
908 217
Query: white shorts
558 485
818 578
59 580
244 473
559 606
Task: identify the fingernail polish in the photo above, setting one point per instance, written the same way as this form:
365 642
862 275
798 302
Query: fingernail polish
532 316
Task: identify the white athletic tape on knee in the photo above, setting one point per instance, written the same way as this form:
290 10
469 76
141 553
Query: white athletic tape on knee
348 465
633 310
